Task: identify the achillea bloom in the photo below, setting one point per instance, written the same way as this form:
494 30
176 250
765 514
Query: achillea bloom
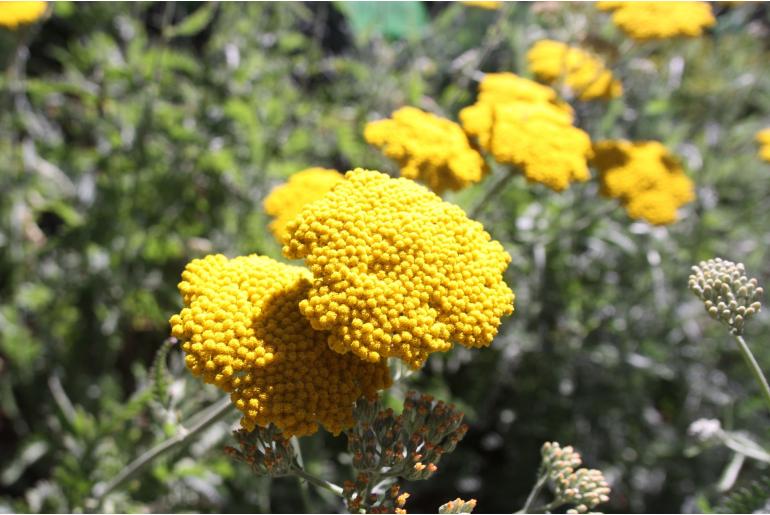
503 88
536 136
763 138
428 148
13 14
288 199
397 271
660 20
241 330
647 180
584 73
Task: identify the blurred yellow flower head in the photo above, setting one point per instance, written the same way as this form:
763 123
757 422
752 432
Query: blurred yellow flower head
302 188
397 272
13 14
428 148
659 20
241 330
523 124
763 138
643 175
484 4
584 73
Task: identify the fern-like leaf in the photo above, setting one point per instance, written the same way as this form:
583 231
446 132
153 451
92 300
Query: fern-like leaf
754 498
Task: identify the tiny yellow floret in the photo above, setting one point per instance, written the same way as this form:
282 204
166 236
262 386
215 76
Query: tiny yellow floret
763 138
428 148
13 14
397 272
302 188
645 177
581 71
241 330
660 20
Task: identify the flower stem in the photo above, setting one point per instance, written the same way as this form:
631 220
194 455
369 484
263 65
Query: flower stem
493 191
213 413
317 481
533 494
754 366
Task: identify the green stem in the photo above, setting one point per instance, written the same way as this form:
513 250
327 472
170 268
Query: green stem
754 366
215 413
317 481
303 488
492 192
534 493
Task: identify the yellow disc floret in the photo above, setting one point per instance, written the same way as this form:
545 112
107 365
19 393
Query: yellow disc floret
13 14
428 148
643 175
397 271
763 138
288 199
241 330
660 20
584 73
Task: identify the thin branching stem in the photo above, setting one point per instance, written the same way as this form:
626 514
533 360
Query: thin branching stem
534 493
754 366
317 481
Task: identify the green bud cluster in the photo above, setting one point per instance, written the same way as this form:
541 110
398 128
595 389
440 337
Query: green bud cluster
458 506
265 450
408 446
728 295
583 488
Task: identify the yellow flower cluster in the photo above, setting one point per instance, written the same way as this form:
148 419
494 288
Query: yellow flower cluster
763 138
397 271
488 5
304 187
13 14
660 20
644 177
241 329
583 72
522 123
428 148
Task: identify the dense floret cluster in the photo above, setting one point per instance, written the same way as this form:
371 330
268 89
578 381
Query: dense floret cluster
582 72
428 148
522 123
242 331
397 271
13 14
763 138
643 175
572 484
660 20
288 199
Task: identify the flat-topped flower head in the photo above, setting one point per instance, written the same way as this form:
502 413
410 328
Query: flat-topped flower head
581 71
302 188
763 138
241 330
503 88
645 177
397 271
13 14
660 20
428 148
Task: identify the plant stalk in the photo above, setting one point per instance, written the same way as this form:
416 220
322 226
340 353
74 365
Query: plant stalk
754 366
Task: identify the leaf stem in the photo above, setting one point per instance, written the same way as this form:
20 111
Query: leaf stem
317 481
754 366
534 493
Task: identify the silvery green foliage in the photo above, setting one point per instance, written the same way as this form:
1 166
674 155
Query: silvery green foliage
727 293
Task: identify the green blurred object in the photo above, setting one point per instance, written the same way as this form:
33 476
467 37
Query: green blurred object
393 20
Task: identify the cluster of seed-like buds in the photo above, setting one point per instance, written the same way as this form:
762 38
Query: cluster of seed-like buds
727 293
265 450
458 506
408 446
581 487
359 496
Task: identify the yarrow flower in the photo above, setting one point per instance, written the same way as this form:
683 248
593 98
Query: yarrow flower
397 271
13 14
522 123
643 175
584 73
727 293
428 148
241 330
484 4
660 20
288 199
763 138
572 484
